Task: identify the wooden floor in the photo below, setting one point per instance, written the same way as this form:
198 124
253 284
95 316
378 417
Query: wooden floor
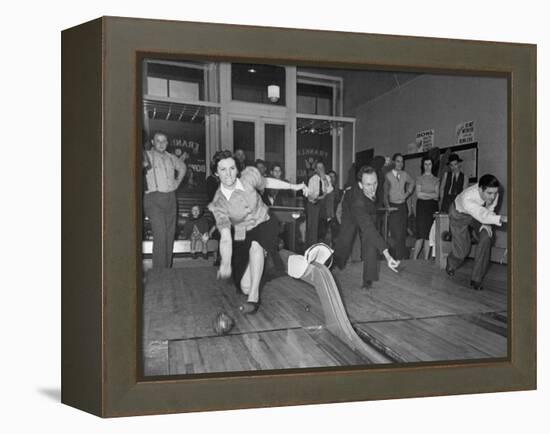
417 315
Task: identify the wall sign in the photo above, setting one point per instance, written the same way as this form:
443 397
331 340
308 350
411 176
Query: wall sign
425 140
465 133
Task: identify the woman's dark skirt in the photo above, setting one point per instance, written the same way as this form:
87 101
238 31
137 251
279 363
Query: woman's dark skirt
425 209
266 235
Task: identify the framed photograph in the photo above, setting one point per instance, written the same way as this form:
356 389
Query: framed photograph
259 217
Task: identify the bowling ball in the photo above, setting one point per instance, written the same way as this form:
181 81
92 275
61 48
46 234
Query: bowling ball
223 324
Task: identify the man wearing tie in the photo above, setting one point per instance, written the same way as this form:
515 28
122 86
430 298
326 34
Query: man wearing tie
164 173
399 186
319 186
474 208
452 183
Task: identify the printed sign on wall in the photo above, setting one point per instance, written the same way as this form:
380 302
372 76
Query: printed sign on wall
465 132
425 140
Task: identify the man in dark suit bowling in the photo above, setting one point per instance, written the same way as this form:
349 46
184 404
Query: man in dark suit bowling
359 213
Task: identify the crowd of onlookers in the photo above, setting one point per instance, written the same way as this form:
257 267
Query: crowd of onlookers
323 204
241 194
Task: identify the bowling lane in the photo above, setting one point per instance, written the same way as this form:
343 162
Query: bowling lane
417 315
420 290
454 337
180 306
420 314
277 349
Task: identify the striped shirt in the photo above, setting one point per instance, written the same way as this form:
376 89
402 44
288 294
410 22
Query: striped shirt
162 174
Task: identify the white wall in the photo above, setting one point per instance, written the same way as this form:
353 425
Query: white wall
439 102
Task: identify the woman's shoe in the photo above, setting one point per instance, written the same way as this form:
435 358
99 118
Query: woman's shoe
249 308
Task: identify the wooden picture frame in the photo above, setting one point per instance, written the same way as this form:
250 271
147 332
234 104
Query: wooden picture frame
101 223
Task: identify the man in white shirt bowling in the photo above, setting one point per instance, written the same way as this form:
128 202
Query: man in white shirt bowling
474 208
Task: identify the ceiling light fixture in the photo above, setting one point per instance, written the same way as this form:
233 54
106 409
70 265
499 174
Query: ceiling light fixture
273 93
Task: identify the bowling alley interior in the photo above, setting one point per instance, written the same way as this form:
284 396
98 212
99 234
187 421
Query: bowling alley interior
323 316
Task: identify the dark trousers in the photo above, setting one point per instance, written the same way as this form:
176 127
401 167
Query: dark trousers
161 208
369 253
448 199
461 243
397 223
344 244
333 228
316 226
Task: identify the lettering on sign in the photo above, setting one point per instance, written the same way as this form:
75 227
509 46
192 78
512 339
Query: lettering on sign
465 132
425 140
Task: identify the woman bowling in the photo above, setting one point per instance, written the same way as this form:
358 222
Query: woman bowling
238 208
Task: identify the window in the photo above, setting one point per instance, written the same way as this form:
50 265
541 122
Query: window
175 81
180 100
249 83
314 142
275 144
244 139
313 99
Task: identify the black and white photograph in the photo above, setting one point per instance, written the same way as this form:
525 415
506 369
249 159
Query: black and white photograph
300 217
275 217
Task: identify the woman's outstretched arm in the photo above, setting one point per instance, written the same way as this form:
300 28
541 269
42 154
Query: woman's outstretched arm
226 250
277 184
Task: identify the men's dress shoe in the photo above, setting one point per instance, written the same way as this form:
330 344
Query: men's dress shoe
449 270
476 285
249 308
367 285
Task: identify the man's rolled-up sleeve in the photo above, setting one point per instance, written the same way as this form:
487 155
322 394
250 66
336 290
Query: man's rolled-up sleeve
482 214
180 166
